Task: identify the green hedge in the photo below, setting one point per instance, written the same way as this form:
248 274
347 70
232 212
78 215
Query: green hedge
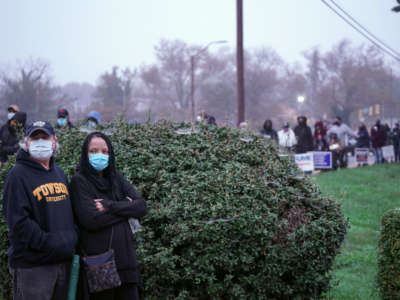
389 256
229 219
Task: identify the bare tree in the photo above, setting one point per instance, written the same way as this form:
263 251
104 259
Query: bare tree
31 88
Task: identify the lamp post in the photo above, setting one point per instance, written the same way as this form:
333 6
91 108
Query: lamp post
192 69
300 101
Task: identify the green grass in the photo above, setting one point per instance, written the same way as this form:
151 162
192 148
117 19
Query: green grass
365 194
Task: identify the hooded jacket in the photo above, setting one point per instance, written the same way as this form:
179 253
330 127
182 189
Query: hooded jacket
38 211
97 228
304 136
8 136
268 132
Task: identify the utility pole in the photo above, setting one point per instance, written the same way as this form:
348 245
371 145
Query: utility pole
239 62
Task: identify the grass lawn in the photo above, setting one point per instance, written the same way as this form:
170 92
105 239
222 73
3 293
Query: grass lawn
365 194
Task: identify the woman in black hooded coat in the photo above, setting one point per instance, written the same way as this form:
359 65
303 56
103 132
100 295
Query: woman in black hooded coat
103 202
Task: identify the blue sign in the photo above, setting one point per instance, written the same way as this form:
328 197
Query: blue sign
322 160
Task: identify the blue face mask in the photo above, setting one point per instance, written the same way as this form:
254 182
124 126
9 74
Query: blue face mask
92 124
98 161
62 122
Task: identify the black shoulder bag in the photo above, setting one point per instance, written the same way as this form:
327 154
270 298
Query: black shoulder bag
101 270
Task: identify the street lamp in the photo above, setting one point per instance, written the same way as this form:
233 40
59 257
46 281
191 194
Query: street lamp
301 99
192 69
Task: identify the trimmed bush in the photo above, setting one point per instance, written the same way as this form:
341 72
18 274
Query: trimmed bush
389 256
229 218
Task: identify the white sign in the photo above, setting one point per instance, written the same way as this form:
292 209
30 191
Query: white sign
388 153
361 155
305 161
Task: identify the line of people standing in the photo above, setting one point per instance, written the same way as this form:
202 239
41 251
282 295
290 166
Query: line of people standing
340 139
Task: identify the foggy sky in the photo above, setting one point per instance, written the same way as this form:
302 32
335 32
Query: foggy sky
83 38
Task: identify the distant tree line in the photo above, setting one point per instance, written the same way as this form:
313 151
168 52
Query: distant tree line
345 81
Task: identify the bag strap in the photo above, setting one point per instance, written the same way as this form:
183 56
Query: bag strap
111 237
109 245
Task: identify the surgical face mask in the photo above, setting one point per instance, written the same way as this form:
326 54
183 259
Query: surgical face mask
41 149
92 124
61 122
98 161
10 115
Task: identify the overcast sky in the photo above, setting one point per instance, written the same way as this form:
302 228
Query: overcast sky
83 38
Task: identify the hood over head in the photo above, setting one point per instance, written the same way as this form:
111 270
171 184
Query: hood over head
94 115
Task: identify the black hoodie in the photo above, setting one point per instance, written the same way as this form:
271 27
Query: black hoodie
38 211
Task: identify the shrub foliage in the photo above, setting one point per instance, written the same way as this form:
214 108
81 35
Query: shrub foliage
389 256
229 219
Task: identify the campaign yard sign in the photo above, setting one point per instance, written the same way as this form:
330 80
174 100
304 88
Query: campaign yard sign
322 159
305 161
388 153
361 155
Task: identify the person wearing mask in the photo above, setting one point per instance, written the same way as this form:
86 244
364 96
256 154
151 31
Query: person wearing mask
37 208
93 119
396 141
286 137
104 202
9 135
320 142
378 138
63 120
303 135
11 110
268 132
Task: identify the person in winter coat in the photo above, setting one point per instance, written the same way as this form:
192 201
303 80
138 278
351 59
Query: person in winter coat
396 141
63 119
268 132
303 135
343 132
11 110
37 208
286 137
363 139
388 131
103 203
8 135
320 141
378 139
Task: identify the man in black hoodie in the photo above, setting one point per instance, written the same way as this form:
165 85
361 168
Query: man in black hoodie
304 136
9 137
37 208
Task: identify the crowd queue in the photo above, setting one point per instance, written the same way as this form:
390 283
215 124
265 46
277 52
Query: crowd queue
337 137
94 215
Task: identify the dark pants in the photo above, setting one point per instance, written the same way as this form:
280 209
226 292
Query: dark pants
48 282
396 152
127 291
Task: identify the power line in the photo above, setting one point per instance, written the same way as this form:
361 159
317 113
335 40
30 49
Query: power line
362 33
365 29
